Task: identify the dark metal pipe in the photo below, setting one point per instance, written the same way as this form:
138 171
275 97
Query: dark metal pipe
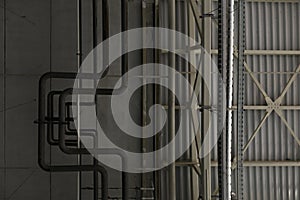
42 122
51 120
171 101
106 151
41 146
74 143
222 66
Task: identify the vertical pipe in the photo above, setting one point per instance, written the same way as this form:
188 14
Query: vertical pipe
230 95
4 21
41 137
105 32
157 96
205 121
124 24
222 64
95 41
79 42
105 20
171 102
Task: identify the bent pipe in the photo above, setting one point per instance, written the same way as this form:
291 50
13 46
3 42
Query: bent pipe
50 135
66 75
98 151
51 120
42 153
105 32
42 120
55 142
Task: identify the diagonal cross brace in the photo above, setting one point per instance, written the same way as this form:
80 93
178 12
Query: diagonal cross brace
275 105
271 106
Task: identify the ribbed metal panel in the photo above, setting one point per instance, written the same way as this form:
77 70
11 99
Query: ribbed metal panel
272 26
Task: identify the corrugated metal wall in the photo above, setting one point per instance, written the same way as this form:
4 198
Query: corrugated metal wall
272 26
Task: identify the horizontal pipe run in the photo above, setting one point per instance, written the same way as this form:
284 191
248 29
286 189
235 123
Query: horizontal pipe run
89 76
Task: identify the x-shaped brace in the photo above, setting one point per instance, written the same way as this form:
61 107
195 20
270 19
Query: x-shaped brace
272 105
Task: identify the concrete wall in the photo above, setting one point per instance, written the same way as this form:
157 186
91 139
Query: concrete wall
24 57
40 36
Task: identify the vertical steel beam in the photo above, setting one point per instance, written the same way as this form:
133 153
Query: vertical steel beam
240 103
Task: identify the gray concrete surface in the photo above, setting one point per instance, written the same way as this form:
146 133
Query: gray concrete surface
40 37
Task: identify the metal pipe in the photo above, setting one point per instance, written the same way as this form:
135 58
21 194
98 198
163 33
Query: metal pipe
100 91
124 27
230 96
54 141
222 63
105 30
157 96
51 120
171 101
41 146
95 41
79 60
73 75
42 121
106 151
